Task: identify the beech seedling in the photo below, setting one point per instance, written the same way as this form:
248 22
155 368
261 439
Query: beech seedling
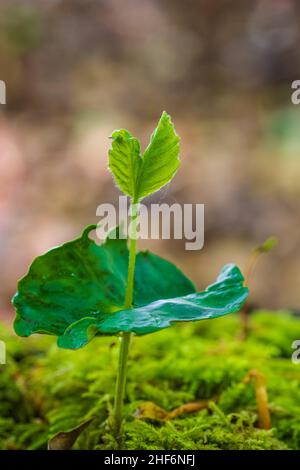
81 290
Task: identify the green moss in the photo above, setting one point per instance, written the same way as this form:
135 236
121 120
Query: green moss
44 390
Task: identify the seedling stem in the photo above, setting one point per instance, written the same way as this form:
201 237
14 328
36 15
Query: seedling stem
125 337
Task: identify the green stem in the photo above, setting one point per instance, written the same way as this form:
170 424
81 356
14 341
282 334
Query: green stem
125 338
120 385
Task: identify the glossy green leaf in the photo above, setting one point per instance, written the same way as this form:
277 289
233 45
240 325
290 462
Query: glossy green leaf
81 278
77 291
225 296
141 175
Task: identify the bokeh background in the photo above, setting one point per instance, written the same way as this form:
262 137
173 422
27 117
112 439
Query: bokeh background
77 70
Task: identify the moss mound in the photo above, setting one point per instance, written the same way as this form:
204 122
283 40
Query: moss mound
44 390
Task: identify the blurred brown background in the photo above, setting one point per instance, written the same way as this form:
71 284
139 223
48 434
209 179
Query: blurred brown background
77 70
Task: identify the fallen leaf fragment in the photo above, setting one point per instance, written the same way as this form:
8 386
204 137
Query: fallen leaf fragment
66 439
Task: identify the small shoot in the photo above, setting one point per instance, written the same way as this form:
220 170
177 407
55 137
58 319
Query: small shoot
140 175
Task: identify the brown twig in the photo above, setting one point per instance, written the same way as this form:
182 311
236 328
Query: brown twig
264 419
151 411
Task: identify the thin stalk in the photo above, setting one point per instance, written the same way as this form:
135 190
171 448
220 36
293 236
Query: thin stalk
265 247
125 337
263 413
244 312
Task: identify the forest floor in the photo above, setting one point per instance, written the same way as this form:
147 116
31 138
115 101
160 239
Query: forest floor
193 386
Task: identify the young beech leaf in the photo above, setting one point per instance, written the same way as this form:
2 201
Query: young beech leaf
77 291
125 162
139 175
160 159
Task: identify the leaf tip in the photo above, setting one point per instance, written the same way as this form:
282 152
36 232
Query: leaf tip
267 245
